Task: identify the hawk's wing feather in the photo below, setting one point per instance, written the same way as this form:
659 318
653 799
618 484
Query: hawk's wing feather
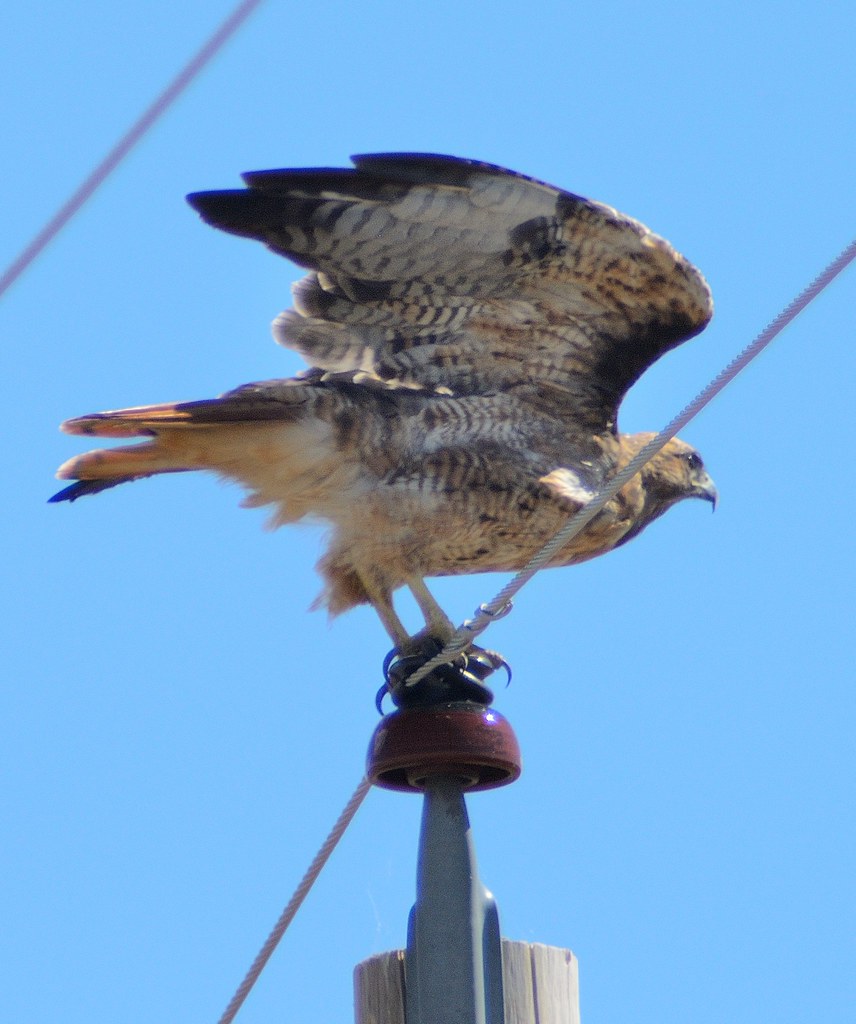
456 275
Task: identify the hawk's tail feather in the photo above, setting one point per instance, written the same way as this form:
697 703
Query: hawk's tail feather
104 467
257 427
146 420
81 488
173 445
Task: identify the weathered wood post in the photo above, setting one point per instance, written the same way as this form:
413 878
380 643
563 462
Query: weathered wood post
456 970
540 982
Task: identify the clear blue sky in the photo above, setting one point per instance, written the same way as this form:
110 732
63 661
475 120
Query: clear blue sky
179 731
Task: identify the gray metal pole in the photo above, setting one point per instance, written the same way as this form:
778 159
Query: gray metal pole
454 957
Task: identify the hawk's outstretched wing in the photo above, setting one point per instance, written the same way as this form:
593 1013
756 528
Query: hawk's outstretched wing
471 333
453 274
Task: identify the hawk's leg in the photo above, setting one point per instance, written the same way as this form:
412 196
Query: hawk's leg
437 622
438 626
380 598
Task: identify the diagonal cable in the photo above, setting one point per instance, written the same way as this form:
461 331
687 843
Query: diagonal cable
500 604
293 905
127 142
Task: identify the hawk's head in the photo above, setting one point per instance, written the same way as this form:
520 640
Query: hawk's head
675 473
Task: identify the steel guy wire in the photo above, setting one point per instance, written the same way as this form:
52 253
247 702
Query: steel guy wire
137 130
294 904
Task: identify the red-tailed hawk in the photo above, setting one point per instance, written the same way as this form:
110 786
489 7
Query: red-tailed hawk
471 334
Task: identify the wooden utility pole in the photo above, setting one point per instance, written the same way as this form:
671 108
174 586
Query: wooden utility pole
540 983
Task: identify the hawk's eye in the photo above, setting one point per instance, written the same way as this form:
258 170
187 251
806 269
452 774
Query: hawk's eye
694 460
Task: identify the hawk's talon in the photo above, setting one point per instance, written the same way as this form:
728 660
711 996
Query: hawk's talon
460 680
388 660
381 693
482 663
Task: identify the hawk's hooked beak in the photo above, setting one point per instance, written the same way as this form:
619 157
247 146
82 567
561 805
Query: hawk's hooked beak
704 487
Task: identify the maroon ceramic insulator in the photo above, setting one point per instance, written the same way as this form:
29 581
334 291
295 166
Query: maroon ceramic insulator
467 741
